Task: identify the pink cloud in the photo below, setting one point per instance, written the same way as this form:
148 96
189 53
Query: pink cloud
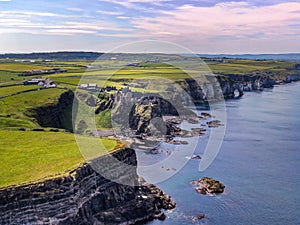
238 20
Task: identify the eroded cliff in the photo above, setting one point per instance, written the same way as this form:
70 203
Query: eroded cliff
58 114
85 197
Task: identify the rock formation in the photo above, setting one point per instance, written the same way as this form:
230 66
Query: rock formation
291 78
85 197
208 185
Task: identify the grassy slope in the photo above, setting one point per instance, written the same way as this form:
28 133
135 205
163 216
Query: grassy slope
15 107
128 74
15 89
239 66
21 67
29 156
103 120
10 78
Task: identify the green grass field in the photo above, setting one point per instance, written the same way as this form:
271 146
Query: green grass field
76 70
30 156
243 66
15 89
9 78
21 67
234 68
12 123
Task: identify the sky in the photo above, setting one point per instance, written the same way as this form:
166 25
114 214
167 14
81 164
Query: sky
202 26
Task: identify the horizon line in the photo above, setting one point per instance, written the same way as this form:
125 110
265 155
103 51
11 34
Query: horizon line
183 53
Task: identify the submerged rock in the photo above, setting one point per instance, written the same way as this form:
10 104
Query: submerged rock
198 131
214 123
196 219
196 157
201 216
176 142
193 120
160 216
206 115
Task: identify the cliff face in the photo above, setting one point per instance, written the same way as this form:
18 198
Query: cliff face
58 115
213 90
152 107
231 86
84 197
293 77
255 82
251 82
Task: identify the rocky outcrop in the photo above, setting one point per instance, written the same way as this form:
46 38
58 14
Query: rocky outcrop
229 86
141 117
257 82
57 115
214 123
216 88
144 116
291 78
85 197
207 185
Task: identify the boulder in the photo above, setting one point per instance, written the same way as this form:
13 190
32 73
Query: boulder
196 157
201 216
214 123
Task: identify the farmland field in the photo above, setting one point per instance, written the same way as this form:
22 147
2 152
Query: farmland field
21 67
30 156
15 89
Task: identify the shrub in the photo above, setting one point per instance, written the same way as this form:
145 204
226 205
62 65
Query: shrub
38 129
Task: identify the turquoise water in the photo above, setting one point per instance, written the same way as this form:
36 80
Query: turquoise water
258 163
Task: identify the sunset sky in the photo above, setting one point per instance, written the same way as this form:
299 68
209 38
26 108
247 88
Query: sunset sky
203 26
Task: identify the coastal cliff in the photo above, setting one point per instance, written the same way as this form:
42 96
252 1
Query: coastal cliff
140 110
58 114
85 197
213 90
232 86
216 87
291 78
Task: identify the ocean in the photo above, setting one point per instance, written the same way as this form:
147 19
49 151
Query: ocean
259 163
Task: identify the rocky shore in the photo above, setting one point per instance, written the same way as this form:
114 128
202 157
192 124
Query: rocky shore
145 113
85 197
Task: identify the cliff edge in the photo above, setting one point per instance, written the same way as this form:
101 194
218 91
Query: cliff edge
85 197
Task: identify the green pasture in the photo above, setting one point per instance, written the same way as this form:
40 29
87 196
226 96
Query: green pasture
30 156
15 89
21 67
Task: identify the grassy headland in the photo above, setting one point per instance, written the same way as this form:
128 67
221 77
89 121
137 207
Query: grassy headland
29 155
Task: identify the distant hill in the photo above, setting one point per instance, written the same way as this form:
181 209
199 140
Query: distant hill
90 56
69 55
286 57
54 55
